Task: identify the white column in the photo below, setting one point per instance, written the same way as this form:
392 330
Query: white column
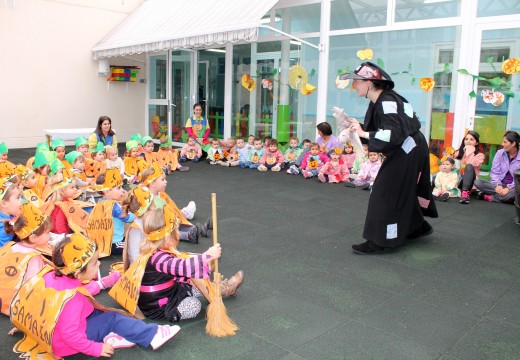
228 89
323 62
253 95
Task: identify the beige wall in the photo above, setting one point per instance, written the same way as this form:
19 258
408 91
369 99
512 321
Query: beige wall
48 78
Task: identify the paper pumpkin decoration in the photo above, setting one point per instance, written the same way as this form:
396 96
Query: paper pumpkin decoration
308 89
495 98
267 84
365 54
511 66
297 77
341 84
427 84
248 82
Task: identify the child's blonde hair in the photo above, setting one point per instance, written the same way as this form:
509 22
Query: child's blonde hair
109 150
154 220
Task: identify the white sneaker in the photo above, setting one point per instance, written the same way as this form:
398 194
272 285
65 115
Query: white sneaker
117 341
189 211
262 168
164 333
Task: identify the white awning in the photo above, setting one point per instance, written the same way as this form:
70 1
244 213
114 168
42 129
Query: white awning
159 25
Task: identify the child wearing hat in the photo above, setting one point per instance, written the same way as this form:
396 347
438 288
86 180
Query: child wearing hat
39 147
10 204
6 167
148 146
73 320
29 183
168 157
107 219
446 181
58 145
77 160
81 143
32 229
134 163
139 139
335 170
155 180
171 281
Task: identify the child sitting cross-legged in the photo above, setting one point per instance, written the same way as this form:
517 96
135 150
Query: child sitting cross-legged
272 158
292 153
334 171
313 161
446 181
191 151
368 172
171 281
241 154
75 322
216 154
168 157
255 155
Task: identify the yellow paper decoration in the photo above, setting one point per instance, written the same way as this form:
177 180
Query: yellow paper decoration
248 82
427 83
308 89
297 77
511 66
365 54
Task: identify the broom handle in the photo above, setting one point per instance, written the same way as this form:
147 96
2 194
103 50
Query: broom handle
215 232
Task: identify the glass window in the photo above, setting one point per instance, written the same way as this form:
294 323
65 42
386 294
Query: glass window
407 56
412 10
158 123
180 83
351 14
303 18
495 8
157 81
214 60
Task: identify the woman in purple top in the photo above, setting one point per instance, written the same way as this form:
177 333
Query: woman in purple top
501 188
326 140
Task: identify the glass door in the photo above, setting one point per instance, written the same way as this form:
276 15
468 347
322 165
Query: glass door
181 72
157 99
202 94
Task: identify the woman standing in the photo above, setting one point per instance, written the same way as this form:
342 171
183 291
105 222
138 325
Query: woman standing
401 193
501 188
103 133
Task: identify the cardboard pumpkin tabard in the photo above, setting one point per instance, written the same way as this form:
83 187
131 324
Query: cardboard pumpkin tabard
100 226
270 159
35 310
13 266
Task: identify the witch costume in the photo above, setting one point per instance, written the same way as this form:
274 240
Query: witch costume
401 193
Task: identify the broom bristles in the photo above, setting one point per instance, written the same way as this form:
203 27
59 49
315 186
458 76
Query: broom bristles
219 324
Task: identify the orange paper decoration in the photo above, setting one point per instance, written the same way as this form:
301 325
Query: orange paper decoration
511 66
427 84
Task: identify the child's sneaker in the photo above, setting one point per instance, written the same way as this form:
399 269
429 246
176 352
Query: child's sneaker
443 197
464 198
322 177
189 210
223 163
183 168
203 229
275 168
306 174
117 341
164 333
262 168
293 170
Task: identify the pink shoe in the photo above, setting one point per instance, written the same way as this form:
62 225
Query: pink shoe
306 174
117 341
322 178
164 333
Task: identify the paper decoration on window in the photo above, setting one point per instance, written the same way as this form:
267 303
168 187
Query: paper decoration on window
365 54
308 89
267 84
511 66
248 82
495 98
427 83
297 77
342 84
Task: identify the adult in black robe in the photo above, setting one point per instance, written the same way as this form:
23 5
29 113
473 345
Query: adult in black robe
401 193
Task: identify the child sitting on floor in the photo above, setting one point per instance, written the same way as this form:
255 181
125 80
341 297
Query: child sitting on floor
255 155
72 318
216 154
446 181
170 280
272 158
334 171
368 172
58 145
96 165
10 205
250 142
77 160
243 152
113 161
148 146
348 156
168 157
292 153
313 161
134 164
191 150
294 169
6 167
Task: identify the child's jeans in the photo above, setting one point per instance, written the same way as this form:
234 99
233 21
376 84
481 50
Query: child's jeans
314 172
184 158
252 165
100 324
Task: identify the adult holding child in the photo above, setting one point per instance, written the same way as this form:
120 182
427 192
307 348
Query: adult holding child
506 162
103 133
401 193
197 126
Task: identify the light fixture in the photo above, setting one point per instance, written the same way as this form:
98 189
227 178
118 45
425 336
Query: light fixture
217 50
434 1
294 42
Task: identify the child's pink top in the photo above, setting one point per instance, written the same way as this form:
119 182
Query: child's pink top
334 169
187 148
369 170
324 158
70 335
349 159
36 263
278 155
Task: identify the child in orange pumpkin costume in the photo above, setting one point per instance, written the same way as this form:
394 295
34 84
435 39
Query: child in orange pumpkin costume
134 163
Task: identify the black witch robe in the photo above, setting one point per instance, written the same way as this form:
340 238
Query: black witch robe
401 193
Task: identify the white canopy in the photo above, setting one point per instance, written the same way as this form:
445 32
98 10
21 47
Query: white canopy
159 25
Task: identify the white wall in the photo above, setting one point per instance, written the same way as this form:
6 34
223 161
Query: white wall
48 78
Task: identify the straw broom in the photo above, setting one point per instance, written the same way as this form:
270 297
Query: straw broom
218 322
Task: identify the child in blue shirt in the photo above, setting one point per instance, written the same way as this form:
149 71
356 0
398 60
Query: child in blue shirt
10 207
255 155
